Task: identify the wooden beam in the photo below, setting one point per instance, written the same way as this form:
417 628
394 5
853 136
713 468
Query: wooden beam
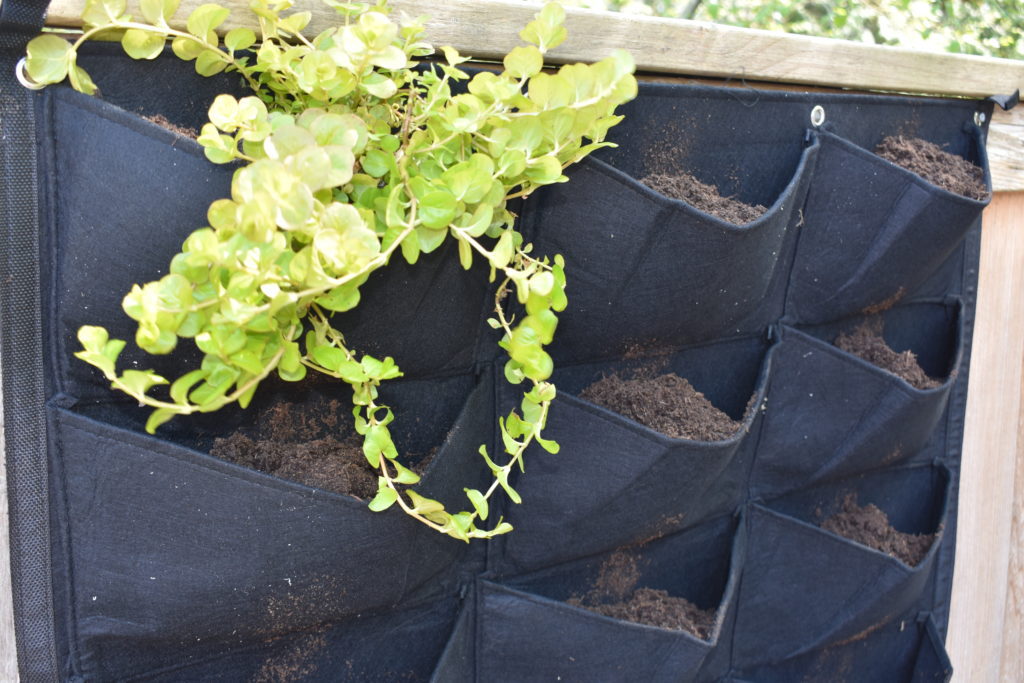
979 615
489 29
1006 150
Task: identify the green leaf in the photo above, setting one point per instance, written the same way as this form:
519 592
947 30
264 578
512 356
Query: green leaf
503 251
103 12
465 254
479 502
186 49
205 19
157 418
209 63
548 445
158 12
240 39
183 385
523 62
377 163
93 338
405 475
502 528
139 44
48 59
385 498
138 382
329 357
377 442
81 81
437 209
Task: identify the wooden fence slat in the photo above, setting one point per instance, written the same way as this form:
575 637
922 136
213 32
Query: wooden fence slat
489 28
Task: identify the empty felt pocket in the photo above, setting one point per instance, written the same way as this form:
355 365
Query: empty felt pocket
357 649
170 550
831 413
904 651
806 587
873 231
572 622
616 481
642 267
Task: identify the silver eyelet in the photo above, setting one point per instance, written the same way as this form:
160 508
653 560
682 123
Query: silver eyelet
817 116
23 77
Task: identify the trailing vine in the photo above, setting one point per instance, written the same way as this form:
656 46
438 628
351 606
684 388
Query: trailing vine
348 152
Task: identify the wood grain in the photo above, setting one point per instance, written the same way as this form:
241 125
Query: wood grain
992 441
1012 667
489 28
1006 151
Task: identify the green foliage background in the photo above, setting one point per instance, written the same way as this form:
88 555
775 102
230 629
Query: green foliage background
976 27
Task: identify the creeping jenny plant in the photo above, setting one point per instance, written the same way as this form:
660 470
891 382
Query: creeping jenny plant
348 154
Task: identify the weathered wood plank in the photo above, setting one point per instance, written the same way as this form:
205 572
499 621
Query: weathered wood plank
979 615
488 29
1006 151
8 651
1012 668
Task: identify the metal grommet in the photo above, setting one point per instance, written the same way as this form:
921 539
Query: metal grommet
979 118
23 78
817 115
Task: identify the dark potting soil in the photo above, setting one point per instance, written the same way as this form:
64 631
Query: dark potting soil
666 403
614 594
937 166
703 196
866 342
161 120
309 446
868 525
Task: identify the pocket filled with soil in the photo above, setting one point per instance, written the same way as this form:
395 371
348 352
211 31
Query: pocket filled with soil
869 525
831 413
866 341
615 481
633 253
653 611
875 232
816 588
703 196
934 164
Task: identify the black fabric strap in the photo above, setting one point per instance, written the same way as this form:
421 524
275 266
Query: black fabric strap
21 353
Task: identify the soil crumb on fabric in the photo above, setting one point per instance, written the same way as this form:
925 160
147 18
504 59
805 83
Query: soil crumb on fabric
703 196
866 342
667 403
931 162
161 120
615 595
308 446
868 525
297 663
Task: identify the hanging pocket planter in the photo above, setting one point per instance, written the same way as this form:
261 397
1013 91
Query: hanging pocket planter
831 413
262 556
616 481
805 586
645 268
874 231
557 617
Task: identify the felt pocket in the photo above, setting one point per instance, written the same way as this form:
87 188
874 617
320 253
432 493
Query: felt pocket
805 588
830 413
644 268
556 639
122 194
873 231
615 481
903 651
169 553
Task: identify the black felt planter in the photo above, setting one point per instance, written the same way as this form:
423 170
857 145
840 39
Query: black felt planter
830 414
874 231
554 638
805 588
617 482
650 269
170 565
